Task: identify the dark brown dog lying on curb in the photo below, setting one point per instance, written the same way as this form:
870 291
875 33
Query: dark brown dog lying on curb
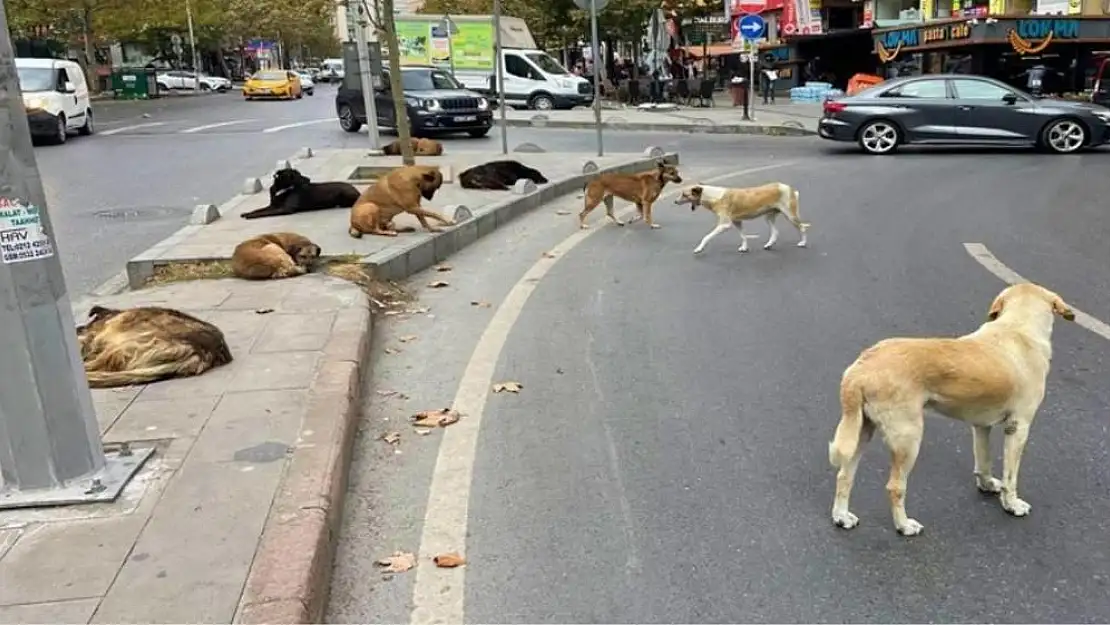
147 344
420 147
293 192
397 192
641 189
499 175
274 255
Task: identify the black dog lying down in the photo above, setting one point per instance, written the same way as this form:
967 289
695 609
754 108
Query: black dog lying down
293 192
498 175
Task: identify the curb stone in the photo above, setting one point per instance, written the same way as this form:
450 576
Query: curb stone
624 125
290 577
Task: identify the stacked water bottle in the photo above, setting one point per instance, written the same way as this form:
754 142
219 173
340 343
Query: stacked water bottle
815 92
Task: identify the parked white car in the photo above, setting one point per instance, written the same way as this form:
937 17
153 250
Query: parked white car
56 98
307 85
179 79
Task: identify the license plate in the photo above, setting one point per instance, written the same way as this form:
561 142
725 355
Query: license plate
466 118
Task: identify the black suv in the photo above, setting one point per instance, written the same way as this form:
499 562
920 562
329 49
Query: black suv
436 103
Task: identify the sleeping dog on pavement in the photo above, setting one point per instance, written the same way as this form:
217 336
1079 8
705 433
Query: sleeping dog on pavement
293 192
498 175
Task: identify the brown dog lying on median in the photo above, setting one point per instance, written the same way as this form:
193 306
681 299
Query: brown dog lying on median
274 255
420 147
642 189
147 344
397 192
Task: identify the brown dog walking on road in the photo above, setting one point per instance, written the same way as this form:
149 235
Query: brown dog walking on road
397 192
274 255
641 189
993 376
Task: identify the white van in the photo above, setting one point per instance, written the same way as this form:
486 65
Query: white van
536 80
56 98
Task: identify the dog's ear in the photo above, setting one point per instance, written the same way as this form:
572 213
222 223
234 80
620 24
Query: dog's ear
1060 307
996 307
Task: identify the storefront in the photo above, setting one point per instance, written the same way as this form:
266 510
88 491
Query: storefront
1061 51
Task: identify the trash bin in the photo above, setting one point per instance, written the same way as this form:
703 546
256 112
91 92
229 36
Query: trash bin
738 89
134 83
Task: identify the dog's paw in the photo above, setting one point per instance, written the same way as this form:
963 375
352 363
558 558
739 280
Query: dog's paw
989 485
1017 507
845 520
911 528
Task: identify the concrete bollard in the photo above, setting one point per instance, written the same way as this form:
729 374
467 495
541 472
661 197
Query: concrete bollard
654 151
589 167
524 186
539 120
529 148
252 186
460 213
204 214
283 164
305 153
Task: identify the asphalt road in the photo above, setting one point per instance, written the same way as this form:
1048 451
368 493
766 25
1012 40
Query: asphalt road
666 459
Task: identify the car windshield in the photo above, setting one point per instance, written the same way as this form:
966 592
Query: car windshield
36 79
426 81
547 64
269 76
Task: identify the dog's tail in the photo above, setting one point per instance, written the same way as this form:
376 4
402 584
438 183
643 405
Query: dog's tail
802 225
847 438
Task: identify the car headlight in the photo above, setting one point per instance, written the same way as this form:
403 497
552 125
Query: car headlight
432 105
483 104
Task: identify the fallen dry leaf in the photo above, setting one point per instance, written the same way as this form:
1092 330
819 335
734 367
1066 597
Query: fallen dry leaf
407 338
264 311
392 350
442 268
438 284
481 304
399 562
449 560
507 387
562 212
549 255
435 418
392 438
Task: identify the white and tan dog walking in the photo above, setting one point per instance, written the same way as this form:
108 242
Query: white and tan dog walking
734 206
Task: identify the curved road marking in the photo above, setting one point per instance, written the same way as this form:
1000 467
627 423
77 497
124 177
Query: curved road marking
438 593
216 125
989 261
299 124
116 131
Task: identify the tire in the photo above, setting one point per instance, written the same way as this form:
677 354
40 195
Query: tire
478 134
879 137
541 102
1064 136
347 119
89 128
60 133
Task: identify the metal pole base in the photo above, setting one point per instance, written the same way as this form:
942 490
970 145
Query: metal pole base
102 487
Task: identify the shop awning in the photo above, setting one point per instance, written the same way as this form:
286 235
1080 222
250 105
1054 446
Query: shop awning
717 49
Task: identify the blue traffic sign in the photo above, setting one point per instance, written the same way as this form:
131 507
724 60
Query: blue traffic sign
751 27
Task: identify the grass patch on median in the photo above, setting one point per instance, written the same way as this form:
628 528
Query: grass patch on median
195 270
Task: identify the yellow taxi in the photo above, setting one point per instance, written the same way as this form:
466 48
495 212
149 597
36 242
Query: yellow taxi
273 83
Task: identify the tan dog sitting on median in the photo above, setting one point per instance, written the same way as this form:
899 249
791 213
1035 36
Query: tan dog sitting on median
641 189
734 206
397 192
420 147
993 376
274 255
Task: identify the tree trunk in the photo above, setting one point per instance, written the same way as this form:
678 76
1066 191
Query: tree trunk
400 110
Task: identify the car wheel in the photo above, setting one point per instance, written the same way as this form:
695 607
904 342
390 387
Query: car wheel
879 137
88 128
347 119
60 133
542 102
478 133
1064 136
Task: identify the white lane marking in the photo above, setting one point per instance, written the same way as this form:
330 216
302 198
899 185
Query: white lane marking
216 125
116 131
991 263
299 124
438 593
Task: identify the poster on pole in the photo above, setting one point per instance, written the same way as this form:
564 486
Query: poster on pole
22 235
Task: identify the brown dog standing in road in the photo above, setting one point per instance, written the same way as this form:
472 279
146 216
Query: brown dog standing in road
420 147
641 189
397 192
993 376
274 255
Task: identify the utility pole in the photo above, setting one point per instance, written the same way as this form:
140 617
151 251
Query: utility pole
366 77
50 451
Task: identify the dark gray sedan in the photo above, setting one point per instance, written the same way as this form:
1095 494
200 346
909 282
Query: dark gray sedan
962 110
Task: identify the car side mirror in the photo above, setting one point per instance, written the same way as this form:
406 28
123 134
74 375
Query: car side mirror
69 87
1010 99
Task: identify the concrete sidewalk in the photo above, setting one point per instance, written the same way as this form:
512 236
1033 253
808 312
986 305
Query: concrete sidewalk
781 119
236 516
